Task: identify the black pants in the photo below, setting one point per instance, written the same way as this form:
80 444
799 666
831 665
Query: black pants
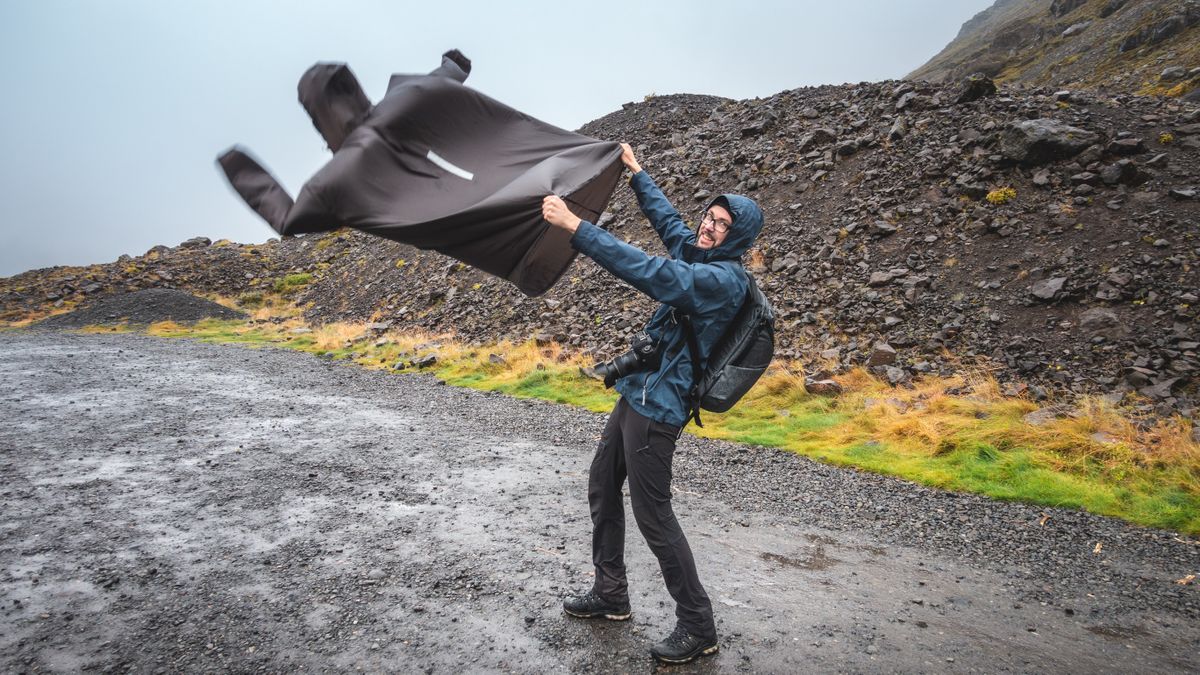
642 449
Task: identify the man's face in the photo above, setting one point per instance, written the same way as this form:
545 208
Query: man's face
713 227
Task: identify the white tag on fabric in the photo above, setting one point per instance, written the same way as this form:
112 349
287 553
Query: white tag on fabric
457 171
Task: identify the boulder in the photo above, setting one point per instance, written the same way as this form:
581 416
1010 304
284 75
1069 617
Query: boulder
882 228
1127 146
1122 172
882 355
879 279
1047 289
1162 388
197 242
975 87
1173 73
1103 322
822 387
1111 8
1076 28
1040 141
425 361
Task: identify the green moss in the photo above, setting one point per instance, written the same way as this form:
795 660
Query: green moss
292 283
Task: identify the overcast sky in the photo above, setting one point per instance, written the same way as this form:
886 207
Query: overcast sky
113 111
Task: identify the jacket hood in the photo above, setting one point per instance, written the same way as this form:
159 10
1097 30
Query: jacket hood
747 223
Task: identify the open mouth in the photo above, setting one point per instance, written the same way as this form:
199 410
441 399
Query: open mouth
705 240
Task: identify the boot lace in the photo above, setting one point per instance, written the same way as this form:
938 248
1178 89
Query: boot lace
678 636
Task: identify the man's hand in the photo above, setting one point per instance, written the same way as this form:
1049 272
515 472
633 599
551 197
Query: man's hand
555 212
628 158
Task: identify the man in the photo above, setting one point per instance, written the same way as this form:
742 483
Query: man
703 278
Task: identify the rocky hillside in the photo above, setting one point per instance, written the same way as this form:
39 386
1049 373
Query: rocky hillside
916 228
1145 46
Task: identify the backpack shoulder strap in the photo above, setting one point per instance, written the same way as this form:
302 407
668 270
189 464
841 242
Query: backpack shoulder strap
693 402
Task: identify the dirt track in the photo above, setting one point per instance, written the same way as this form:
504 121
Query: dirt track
173 506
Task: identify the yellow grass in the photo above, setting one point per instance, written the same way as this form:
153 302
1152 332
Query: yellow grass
958 432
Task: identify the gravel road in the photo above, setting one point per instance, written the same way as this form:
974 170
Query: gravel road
173 506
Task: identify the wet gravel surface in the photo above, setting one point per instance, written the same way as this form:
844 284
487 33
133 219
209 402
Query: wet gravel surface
175 506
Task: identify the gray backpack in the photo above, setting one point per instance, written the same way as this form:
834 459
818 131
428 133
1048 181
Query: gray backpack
739 358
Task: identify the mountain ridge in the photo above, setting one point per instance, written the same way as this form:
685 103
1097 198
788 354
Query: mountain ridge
1146 46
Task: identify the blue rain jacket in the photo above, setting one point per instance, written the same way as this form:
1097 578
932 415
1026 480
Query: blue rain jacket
707 285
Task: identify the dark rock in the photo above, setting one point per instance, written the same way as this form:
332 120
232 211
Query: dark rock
1173 73
1162 30
1127 146
879 279
975 87
1047 289
882 228
1139 377
1161 389
1103 322
1123 172
1111 7
197 242
881 355
757 128
1043 140
816 138
822 387
1183 193
1064 7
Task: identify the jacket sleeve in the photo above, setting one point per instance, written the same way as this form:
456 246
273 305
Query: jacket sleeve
665 219
691 287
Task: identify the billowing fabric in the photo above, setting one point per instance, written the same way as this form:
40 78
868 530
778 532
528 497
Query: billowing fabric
440 166
708 285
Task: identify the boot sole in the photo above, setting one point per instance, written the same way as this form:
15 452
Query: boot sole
689 658
611 616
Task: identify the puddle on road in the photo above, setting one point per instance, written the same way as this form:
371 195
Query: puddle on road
816 561
1119 632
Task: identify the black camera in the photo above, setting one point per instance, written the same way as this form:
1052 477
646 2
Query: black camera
642 355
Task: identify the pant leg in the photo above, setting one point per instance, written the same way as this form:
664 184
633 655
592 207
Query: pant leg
649 450
605 480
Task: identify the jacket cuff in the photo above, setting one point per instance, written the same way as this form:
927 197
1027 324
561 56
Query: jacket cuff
584 238
641 180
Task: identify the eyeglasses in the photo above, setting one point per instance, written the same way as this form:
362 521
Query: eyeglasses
718 225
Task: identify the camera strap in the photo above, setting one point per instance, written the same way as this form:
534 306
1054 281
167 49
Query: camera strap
693 412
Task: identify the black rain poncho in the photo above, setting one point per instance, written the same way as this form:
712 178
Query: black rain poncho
440 166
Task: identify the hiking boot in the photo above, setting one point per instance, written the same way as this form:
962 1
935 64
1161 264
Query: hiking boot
590 606
681 646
